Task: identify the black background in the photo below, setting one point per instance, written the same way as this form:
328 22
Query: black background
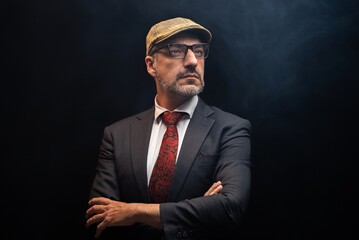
71 67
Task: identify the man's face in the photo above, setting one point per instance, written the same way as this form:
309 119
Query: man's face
181 77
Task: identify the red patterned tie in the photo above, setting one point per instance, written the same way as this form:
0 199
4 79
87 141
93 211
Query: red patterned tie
162 173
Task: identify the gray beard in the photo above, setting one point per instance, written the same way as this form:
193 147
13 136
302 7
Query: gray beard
175 89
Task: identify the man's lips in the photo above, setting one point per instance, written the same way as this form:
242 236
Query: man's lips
190 76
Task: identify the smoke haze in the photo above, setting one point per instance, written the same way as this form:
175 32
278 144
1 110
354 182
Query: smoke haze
73 67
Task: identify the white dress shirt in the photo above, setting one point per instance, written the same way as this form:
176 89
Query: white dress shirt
159 129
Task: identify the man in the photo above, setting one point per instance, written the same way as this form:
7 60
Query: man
182 168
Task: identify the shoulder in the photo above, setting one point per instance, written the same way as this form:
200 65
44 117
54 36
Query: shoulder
227 116
224 117
221 117
124 124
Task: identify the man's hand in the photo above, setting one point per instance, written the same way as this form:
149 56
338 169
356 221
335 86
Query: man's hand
110 213
216 187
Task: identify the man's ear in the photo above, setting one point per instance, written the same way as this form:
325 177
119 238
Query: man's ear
150 62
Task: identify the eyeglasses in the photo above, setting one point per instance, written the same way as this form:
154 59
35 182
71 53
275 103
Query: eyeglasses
179 50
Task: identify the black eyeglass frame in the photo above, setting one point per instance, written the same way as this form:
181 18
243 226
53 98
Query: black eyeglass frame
181 44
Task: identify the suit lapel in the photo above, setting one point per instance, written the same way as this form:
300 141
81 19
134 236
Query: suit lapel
197 131
140 138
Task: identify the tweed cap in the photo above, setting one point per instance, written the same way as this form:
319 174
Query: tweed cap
166 29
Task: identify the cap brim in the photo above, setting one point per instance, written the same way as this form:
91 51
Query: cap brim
203 34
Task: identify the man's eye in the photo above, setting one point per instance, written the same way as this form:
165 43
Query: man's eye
199 51
176 50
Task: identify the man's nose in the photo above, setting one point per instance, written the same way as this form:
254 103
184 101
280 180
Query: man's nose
190 59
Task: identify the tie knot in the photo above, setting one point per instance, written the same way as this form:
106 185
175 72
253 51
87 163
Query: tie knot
171 118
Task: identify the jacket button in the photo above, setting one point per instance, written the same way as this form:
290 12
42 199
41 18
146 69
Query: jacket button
179 235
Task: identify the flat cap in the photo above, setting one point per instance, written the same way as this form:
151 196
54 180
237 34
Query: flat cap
168 28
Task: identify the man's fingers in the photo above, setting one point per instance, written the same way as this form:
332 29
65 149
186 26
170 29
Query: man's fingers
100 201
95 209
100 228
95 219
217 190
214 189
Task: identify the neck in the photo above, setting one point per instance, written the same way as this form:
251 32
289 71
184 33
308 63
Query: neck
170 102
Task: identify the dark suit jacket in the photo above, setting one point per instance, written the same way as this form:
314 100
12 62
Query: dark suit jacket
216 147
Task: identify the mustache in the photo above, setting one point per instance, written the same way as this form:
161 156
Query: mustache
188 72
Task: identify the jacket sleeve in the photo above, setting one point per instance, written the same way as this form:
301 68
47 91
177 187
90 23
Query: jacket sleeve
206 215
105 181
105 184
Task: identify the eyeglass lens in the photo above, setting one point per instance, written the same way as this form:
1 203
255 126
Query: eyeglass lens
178 50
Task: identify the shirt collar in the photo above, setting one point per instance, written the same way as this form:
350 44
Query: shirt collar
188 107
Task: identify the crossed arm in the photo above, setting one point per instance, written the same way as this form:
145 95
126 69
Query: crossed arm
109 213
232 168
